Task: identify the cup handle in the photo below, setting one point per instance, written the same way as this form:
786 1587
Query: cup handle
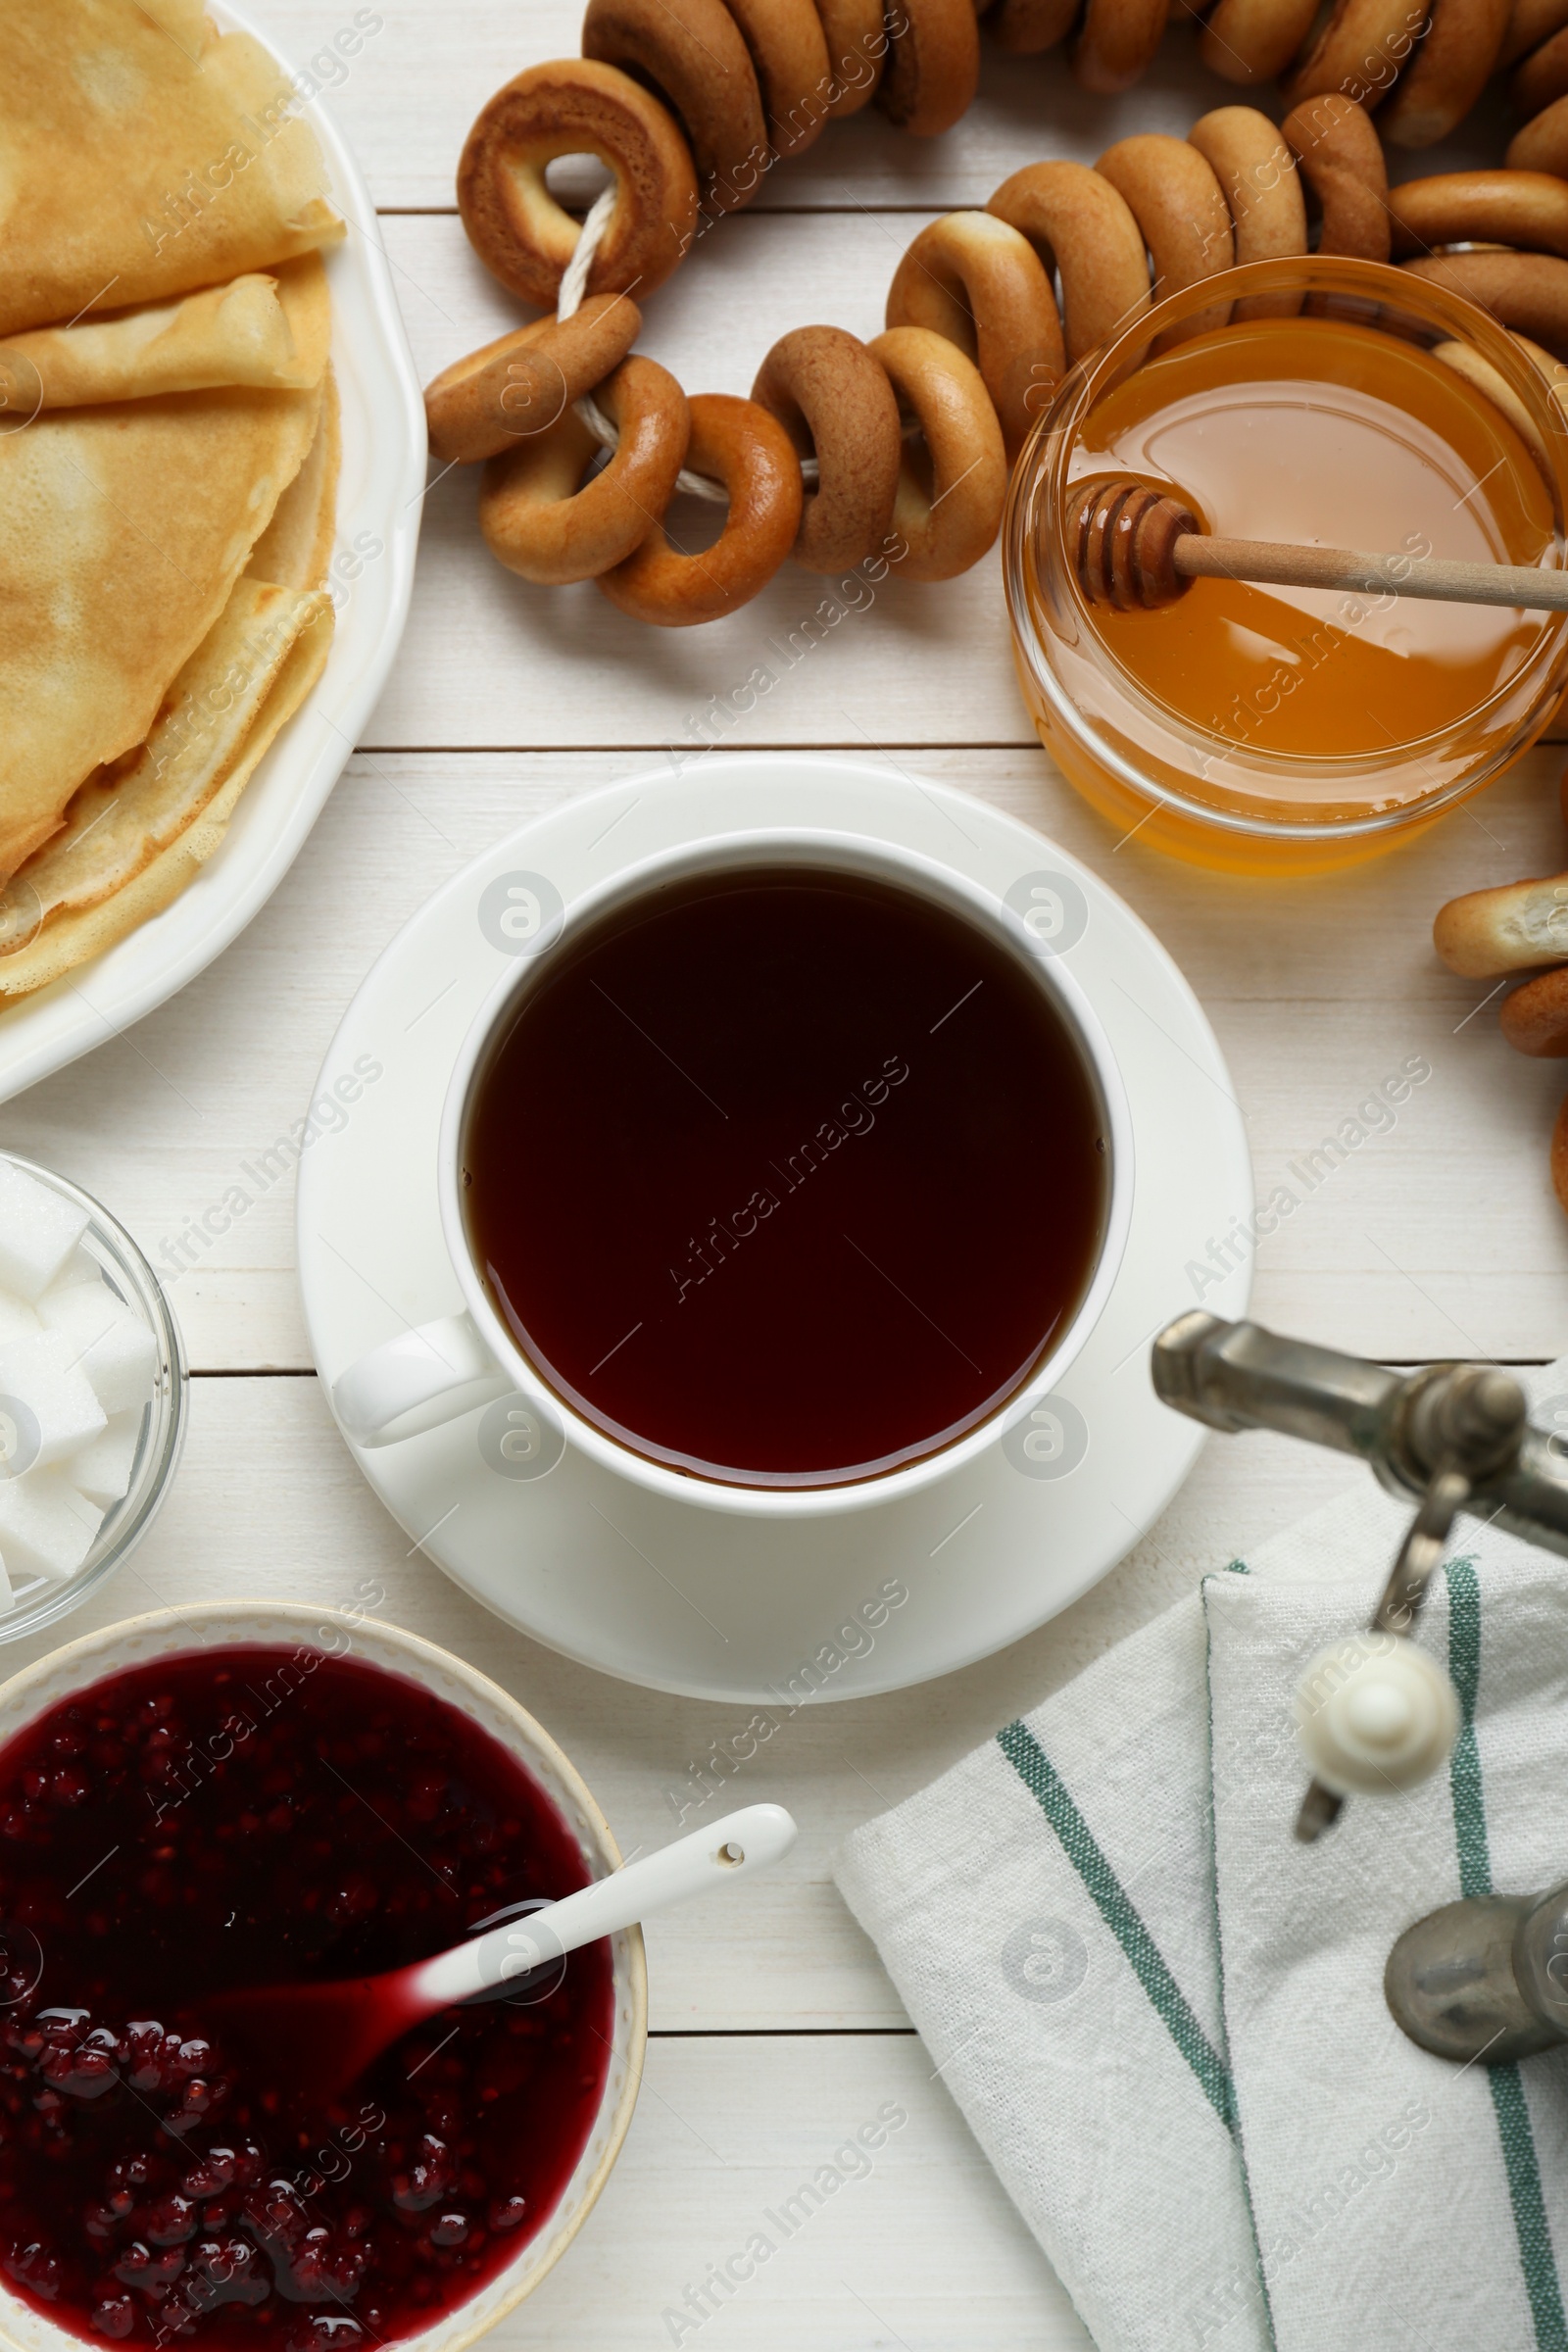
444 1365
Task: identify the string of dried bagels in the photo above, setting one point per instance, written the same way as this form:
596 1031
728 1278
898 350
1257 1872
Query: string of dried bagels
899 449
986 310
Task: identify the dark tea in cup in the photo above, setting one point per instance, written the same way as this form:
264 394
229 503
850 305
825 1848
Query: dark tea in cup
786 1175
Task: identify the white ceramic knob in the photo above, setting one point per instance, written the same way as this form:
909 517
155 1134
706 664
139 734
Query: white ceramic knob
1375 1714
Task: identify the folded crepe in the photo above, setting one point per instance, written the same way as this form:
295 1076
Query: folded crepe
296 548
241 333
168 463
142 154
142 827
123 528
140 831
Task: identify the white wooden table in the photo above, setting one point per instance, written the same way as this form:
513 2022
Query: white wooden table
775 2032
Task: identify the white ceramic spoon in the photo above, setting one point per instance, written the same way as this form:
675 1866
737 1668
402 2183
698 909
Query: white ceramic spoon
324 2035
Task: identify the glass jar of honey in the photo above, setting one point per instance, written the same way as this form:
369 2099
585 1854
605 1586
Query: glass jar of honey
1269 729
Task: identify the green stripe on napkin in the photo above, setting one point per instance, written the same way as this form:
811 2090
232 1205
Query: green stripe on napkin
1536 2256
1120 1914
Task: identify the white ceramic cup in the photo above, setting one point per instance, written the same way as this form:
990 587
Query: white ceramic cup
432 1373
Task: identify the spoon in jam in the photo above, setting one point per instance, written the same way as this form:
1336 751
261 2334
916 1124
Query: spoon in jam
322 2036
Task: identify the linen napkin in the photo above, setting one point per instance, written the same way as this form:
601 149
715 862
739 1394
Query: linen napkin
1163 2018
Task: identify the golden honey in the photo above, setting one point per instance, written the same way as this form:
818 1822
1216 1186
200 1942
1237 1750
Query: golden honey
1267 728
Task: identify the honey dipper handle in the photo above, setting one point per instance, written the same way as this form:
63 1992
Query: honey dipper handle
1443 579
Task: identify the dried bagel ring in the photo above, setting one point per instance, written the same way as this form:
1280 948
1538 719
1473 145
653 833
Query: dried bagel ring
1556 375
974 279
856 51
1531 23
1360 51
1254 40
519 384
1172 194
789 57
742 446
1467 361
1079 226
693 53
575 107
1542 145
933 66
948 521
536 515
1542 79
1116 43
1448 72
1528 208
835 402
1341 161
1535 1018
1505 929
1257 177
1023 27
1526 291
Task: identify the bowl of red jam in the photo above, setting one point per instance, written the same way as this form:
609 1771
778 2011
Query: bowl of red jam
195 1805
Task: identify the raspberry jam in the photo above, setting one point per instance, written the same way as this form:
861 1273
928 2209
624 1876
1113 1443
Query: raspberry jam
245 1818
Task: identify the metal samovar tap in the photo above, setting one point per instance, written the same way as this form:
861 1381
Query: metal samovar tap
1485 1978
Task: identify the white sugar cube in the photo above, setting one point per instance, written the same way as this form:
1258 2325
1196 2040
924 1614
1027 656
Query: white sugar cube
79 1267
113 1345
102 1470
46 1394
38 1231
16 1317
8 1599
46 1527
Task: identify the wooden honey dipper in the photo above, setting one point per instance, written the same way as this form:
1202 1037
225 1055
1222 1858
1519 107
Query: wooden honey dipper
1137 549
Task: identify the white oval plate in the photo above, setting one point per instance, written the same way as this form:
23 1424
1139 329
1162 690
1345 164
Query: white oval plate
695 1601
379 503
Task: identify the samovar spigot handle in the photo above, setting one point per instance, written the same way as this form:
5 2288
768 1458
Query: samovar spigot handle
1374 1713
1485 1978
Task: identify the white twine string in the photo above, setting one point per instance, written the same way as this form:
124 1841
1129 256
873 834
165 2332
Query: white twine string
574 285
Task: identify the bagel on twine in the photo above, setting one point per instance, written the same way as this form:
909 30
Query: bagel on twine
673 94
514 223
748 451
844 448
836 404
540 515
1341 160
1182 216
981 284
1263 190
519 384
947 509
697 60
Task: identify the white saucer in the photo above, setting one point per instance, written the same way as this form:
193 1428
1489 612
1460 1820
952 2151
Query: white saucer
698 1602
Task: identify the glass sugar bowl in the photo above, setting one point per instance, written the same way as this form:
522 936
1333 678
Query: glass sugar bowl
96 1339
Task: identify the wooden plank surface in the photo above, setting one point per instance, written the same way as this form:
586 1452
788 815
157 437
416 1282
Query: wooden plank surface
776 2033
923 2250
1438 1236
268 1506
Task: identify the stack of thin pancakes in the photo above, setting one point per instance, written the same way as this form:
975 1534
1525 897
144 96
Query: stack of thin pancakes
168 456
